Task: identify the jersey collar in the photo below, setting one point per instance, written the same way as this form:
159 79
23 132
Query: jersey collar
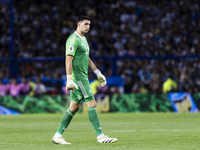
79 35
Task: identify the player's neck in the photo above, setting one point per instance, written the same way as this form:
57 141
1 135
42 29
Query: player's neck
80 33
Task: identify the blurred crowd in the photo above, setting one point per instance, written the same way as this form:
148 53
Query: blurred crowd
36 87
118 28
26 86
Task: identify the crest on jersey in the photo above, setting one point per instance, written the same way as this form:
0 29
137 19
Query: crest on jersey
87 50
71 48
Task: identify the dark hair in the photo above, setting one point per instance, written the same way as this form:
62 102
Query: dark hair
81 18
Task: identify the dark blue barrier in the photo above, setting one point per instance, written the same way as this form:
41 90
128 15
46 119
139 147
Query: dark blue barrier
109 57
4 60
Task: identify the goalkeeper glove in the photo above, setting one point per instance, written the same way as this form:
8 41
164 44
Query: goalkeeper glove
70 84
100 77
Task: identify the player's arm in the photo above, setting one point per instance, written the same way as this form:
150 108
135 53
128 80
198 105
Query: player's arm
100 77
68 64
92 65
70 83
71 47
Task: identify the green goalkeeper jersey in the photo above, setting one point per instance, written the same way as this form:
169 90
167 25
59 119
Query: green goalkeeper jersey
77 47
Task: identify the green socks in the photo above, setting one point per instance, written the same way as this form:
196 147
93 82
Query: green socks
94 119
66 119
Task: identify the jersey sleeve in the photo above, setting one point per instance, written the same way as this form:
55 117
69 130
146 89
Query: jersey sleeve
71 46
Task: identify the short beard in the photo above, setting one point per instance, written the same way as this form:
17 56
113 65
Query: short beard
83 33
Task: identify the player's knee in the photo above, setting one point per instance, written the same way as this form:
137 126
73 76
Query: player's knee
74 108
91 103
94 104
77 107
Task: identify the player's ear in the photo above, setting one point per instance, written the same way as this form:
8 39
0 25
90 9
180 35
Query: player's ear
78 24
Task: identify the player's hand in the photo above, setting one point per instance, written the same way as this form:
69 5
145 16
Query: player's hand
100 77
70 84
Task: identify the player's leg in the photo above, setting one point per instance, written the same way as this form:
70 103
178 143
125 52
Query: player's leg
66 119
94 119
91 104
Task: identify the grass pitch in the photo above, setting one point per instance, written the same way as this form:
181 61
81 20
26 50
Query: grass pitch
144 131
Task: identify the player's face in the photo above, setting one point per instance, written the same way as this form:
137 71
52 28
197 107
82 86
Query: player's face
84 26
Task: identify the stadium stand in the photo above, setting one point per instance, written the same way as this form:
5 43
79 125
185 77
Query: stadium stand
122 28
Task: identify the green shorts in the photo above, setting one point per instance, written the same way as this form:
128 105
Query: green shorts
83 93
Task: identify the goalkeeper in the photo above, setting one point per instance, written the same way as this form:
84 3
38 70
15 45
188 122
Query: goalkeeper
77 64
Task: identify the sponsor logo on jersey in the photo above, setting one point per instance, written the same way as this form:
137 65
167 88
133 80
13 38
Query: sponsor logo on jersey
90 91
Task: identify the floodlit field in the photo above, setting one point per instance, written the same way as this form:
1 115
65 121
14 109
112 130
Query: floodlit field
148 131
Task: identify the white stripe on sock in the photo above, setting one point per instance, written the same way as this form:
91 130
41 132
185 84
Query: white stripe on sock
70 112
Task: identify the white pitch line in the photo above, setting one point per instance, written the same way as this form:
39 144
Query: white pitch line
145 123
30 133
174 130
125 131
